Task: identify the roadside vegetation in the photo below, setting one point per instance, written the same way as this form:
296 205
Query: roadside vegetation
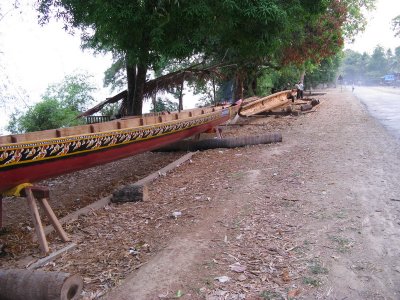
362 68
223 51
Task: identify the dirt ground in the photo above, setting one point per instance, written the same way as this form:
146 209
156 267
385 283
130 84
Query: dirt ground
314 217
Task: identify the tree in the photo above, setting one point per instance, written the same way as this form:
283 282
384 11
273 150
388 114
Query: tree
378 64
143 32
164 105
397 59
354 65
60 105
323 73
396 25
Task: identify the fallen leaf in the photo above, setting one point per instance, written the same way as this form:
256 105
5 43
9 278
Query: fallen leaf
293 293
285 276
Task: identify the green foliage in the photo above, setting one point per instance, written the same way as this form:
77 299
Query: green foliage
323 73
396 26
278 80
60 105
164 105
74 92
378 64
110 109
355 18
147 32
248 34
115 75
369 69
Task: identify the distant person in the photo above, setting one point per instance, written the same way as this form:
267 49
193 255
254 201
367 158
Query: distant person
297 87
300 90
352 87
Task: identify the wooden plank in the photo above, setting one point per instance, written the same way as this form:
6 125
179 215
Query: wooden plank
164 170
107 126
129 122
44 247
53 219
37 191
5 139
150 120
51 257
34 136
76 130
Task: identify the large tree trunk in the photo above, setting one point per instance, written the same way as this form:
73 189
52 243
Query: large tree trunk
233 142
139 89
131 76
180 105
303 73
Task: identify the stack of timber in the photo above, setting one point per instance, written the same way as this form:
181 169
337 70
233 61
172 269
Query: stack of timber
267 103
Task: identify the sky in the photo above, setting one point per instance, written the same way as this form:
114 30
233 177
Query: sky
32 56
378 30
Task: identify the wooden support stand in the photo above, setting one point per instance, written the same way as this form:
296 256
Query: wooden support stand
42 194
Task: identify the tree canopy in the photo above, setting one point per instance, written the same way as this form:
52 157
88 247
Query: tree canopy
60 105
396 26
369 69
249 34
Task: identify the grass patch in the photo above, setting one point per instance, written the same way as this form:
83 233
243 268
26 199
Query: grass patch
311 281
268 295
316 268
343 244
340 215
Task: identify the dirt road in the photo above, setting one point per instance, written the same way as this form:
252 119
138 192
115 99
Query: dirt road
314 217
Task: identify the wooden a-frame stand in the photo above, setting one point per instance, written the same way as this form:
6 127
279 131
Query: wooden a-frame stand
33 193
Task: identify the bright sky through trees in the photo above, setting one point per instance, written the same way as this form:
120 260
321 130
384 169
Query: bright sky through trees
378 30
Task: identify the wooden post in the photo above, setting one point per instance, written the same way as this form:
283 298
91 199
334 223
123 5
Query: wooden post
53 219
44 247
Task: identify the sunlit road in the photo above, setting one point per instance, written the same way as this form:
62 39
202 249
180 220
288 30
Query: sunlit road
383 103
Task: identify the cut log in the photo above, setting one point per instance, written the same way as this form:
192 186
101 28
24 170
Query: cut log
190 145
305 107
283 112
131 193
39 285
314 102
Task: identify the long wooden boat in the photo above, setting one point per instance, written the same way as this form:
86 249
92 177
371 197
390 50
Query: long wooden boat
266 103
26 158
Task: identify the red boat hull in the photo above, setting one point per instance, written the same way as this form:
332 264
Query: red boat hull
40 170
